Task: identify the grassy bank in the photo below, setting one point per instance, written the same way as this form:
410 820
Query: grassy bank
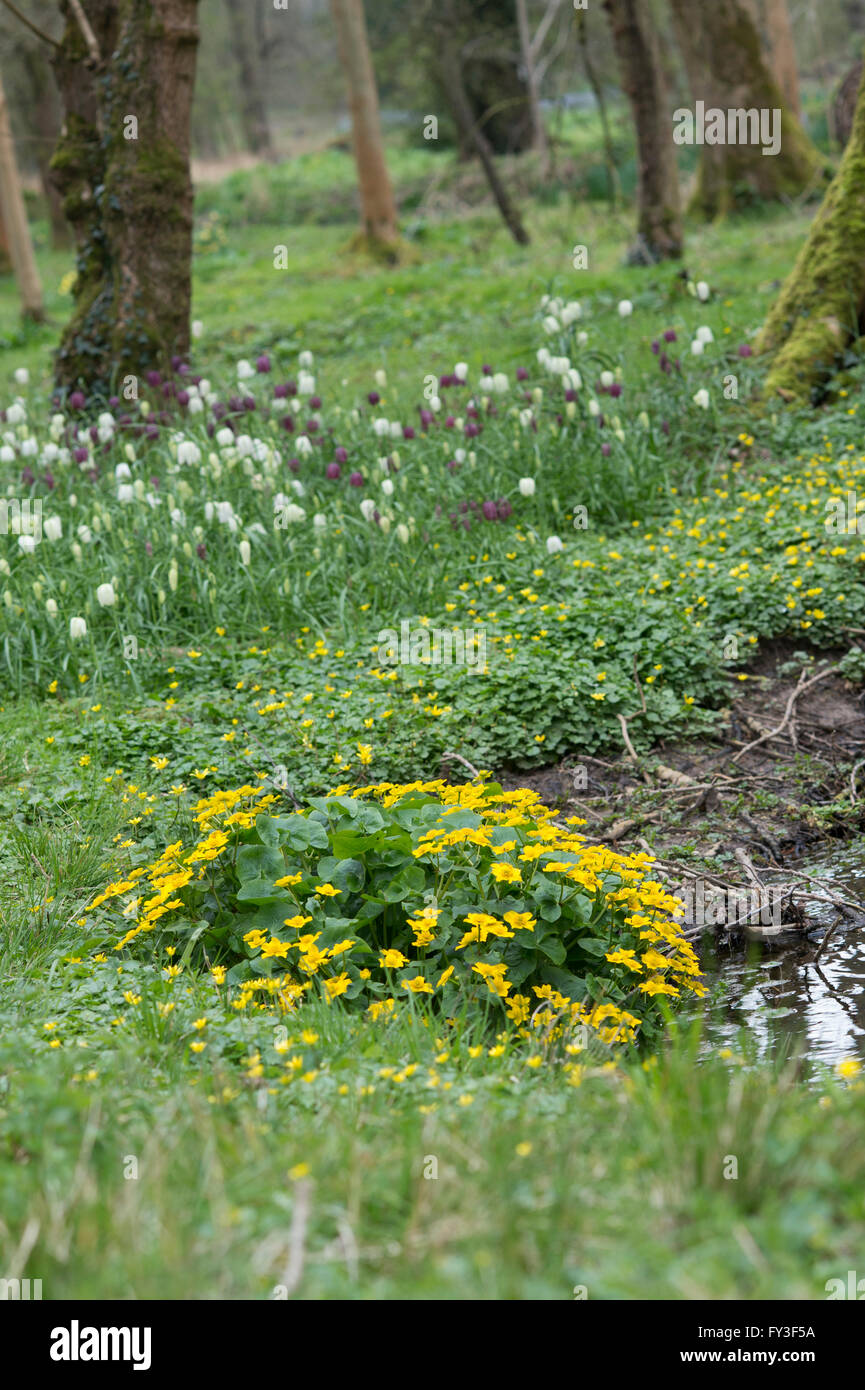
333 1154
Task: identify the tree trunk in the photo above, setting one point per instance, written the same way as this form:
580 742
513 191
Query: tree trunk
822 304
14 218
727 72
854 15
782 52
844 103
5 258
486 35
451 68
378 208
614 184
46 120
253 114
539 132
638 54
122 163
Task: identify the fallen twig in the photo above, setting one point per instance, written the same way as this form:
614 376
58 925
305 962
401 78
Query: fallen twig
627 738
458 757
801 687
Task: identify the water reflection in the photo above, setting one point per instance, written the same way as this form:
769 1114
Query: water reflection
787 1001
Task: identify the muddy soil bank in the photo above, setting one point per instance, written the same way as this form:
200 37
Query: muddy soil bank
779 781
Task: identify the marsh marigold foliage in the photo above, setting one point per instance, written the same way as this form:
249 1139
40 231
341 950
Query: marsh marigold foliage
463 898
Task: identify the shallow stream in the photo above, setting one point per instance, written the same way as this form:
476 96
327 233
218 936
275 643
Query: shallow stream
778 993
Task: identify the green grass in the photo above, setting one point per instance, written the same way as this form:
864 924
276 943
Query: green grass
472 289
137 1176
616 1184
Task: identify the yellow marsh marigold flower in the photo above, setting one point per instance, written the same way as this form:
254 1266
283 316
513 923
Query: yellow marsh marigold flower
517 1008
338 985
506 873
493 975
656 985
624 956
274 947
392 959
520 921
327 890
381 1007
312 960
653 960
418 985
288 881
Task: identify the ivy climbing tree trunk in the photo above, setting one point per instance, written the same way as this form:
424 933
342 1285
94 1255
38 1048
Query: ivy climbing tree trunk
821 307
377 204
122 163
727 71
13 216
659 227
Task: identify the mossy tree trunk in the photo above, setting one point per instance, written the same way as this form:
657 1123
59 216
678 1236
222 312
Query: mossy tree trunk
16 229
638 54
122 164
727 71
821 307
377 203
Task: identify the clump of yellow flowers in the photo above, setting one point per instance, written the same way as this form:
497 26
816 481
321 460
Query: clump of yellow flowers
389 896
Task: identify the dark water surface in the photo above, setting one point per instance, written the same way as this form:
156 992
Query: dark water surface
780 995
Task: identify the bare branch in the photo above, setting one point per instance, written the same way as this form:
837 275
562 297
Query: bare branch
543 28
791 705
30 25
84 26
555 52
